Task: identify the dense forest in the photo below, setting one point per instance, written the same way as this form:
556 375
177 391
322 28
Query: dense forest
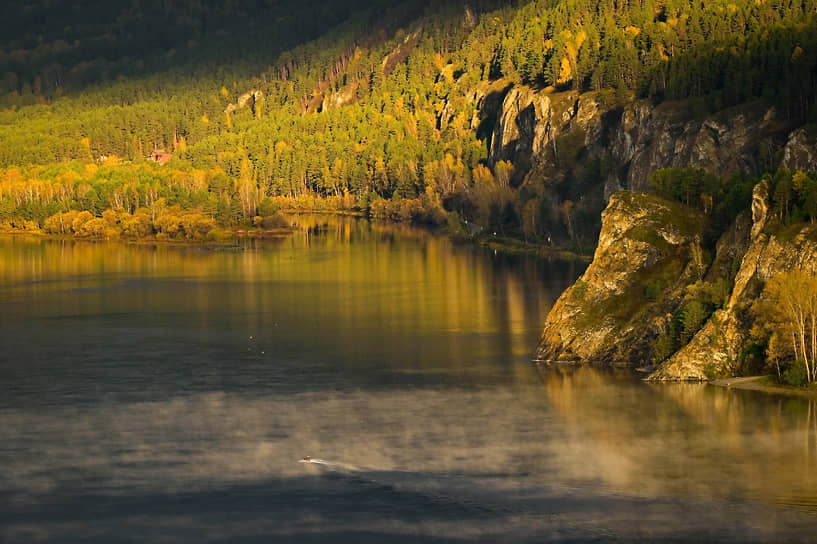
360 106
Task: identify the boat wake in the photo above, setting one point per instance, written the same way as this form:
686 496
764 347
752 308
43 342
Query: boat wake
450 491
332 465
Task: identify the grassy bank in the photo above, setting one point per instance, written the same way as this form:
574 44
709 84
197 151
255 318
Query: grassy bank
766 384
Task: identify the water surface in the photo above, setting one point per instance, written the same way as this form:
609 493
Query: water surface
168 393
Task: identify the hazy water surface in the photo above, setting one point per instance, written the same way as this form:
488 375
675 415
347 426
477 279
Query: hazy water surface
168 393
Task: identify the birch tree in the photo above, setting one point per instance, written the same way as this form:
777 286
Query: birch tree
792 312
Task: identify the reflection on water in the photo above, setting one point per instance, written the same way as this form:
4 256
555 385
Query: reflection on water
168 393
686 439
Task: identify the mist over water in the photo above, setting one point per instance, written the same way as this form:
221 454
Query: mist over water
169 393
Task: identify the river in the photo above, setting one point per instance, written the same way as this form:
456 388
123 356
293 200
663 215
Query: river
168 393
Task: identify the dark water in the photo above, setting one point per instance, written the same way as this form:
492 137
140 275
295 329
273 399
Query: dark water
167 394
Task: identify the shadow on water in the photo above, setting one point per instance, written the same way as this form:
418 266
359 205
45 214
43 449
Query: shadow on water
509 464
362 508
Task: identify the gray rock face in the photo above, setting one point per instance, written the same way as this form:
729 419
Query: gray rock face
250 98
342 97
642 138
606 317
760 208
523 128
652 138
716 348
800 152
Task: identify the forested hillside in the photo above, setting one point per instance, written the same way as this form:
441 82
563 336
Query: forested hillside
382 107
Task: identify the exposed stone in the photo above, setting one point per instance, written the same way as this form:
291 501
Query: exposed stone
652 138
760 208
589 323
715 349
342 97
641 138
800 152
250 98
523 126
606 316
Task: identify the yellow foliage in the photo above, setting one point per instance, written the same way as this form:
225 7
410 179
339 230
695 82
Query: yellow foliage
94 227
504 172
483 176
80 220
68 178
137 225
438 61
111 217
581 37
60 223
565 71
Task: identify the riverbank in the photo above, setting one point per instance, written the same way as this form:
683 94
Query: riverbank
506 245
520 247
764 384
223 237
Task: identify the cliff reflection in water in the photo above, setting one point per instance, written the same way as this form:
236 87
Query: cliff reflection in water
686 440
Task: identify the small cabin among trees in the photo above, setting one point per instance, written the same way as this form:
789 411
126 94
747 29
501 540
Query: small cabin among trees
160 156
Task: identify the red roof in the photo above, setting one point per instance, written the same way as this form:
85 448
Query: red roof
160 156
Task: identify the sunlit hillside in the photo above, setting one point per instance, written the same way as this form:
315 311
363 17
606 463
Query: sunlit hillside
370 106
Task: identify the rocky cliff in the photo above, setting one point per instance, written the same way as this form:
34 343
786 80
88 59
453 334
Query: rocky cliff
544 132
649 250
715 350
648 256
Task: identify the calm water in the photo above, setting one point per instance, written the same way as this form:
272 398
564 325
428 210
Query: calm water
167 394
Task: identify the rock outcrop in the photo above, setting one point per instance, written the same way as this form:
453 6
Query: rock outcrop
650 138
800 152
523 126
342 97
539 131
251 98
715 350
649 250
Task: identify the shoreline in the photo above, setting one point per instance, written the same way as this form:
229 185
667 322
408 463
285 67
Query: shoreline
509 246
230 236
759 383
513 246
